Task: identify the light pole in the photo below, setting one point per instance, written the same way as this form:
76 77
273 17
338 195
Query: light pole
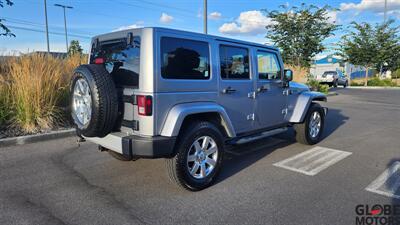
65 21
47 26
385 12
205 16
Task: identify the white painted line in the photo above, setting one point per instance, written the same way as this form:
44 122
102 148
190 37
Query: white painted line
313 161
388 183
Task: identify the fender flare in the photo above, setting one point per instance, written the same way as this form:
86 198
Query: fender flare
302 104
178 113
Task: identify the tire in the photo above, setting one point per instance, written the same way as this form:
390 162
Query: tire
345 84
335 83
178 167
303 133
100 104
121 157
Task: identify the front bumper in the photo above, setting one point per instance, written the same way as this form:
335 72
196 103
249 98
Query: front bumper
137 146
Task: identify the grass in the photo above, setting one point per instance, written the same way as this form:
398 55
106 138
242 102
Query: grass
300 73
33 89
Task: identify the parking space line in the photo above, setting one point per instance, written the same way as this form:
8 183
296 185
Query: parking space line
313 161
388 183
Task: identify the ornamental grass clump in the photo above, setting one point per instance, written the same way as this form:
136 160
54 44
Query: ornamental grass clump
38 85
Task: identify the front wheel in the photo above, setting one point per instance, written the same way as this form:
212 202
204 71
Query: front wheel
345 84
309 132
198 160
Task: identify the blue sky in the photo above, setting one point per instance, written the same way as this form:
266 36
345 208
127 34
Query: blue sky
239 19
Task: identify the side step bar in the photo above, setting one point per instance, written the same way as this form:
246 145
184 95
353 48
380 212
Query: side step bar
258 136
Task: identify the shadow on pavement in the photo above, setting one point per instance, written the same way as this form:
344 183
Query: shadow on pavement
333 121
240 157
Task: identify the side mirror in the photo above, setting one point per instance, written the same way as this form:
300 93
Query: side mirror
288 75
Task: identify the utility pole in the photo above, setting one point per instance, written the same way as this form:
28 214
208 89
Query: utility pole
47 26
65 21
205 16
385 12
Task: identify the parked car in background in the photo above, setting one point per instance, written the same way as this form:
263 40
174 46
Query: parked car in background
333 78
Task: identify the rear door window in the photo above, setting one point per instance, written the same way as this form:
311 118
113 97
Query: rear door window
234 62
184 59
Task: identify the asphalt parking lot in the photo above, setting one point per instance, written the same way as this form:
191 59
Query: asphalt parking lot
56 182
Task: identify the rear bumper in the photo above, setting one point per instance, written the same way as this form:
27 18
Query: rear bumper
137 146
325 81
148 147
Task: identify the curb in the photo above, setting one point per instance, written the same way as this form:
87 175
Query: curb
21 140
372 87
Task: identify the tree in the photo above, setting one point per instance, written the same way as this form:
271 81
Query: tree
4 31
300 31
371 46
388 46
75 48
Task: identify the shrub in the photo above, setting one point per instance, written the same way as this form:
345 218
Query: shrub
5 104
38 86
356 83
381 82
324 88
314 85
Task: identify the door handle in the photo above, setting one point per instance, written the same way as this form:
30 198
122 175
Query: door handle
228 90
262 89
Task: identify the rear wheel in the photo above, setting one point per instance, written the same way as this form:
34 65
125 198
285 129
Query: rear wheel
309 132
198 160
335 83
345 84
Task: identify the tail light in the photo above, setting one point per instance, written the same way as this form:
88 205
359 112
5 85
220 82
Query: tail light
145 105
99 60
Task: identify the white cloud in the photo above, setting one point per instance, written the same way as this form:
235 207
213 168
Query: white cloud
332 16
165 18
215 16
371 5
395 13
138 24
248 23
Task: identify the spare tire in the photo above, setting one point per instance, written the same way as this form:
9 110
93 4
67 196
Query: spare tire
94 101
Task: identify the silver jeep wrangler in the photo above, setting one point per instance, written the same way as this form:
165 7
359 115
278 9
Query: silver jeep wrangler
183 96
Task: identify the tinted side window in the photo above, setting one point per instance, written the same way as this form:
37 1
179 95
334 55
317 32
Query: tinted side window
184 59
268 66
234 62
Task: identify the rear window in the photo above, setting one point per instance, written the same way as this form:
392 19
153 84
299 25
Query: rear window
184 59
122 60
